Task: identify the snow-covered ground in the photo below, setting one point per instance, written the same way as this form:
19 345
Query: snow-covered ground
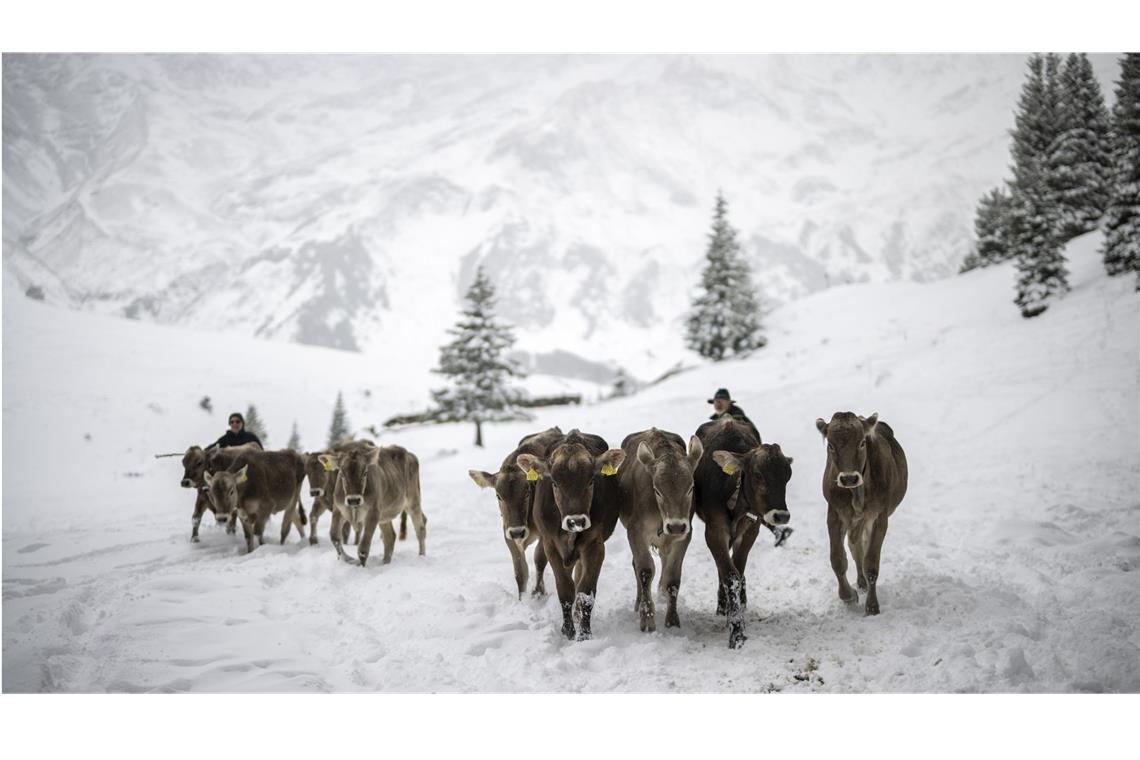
1012 565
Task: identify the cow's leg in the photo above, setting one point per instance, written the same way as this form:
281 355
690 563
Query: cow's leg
717 536
200 505
835 533
336 535
404 525
740 556
518 559
388 533
643 572
248 528
672 557
314 514
565 585
231 524
299 519
288 517
539 570
419 520
871 562
857 544
590 561
259 528
371 518
346 531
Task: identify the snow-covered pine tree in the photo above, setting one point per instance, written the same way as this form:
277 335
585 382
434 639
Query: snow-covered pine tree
991 224
294 439
726 316
1122 221
1080 159
475 364
1037 120
254 424
1042 275
338 429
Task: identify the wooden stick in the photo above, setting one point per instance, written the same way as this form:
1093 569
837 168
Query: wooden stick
175 454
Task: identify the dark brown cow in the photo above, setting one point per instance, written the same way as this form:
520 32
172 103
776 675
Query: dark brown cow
864 481
656 508
374 485
740 485
194 467
516 506
575 511
259 484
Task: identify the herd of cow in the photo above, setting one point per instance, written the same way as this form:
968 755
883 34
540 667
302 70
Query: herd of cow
566 492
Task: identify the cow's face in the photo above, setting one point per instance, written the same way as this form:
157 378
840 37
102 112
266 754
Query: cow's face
193 466
672 477
352 470
318 475
572 470
514 493
225 490
847 435
764 473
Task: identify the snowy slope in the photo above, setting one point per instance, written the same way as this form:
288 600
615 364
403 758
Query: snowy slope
345 201
1011 565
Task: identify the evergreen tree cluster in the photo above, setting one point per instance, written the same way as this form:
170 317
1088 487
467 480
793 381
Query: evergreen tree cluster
725 318
1070 164
476 366
1122 221
338 428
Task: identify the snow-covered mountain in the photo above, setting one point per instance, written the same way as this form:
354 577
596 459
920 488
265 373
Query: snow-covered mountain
345 201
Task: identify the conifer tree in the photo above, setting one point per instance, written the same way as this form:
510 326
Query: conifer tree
1080 159
1122 221
474 362
991 224
1037 120
294 439
1042 276
254 424
339 428
725 318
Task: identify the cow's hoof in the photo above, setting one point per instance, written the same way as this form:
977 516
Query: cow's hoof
872 609
672 620
538 591
194 539
349 560
585 635
568 631
736 639
862 583
854 598
648 624
312 540
363 558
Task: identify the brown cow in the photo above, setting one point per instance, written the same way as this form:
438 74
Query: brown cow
575 511
656 508
740 485
194 467
260 484
374 485
322 487
516 506
864 481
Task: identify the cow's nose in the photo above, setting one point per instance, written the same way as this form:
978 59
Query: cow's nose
849 479
780 517
677 527
517 534
186 483
353 501
314 492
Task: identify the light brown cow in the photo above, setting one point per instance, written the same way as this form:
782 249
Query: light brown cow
374 485
194 467
260 484
864 481
516 506
656 503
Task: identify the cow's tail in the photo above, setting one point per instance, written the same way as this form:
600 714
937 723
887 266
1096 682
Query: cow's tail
301 512
403 525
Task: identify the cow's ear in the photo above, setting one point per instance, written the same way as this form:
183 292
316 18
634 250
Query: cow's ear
728 461
208 477
243 474
610 462
374 455
328 461
644 454
482 479
790 460
696 448
534 467
821 426
869 424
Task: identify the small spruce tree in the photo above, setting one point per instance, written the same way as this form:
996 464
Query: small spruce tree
725 318
992 228
1121 249
1080 158
338 429
1037 121
475 364
294 438
1042 276
254 424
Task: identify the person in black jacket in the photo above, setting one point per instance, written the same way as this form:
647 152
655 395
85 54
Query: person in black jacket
237 435
724 405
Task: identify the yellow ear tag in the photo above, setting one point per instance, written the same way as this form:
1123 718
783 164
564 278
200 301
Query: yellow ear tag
532 474
328 466
608 469
729 469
